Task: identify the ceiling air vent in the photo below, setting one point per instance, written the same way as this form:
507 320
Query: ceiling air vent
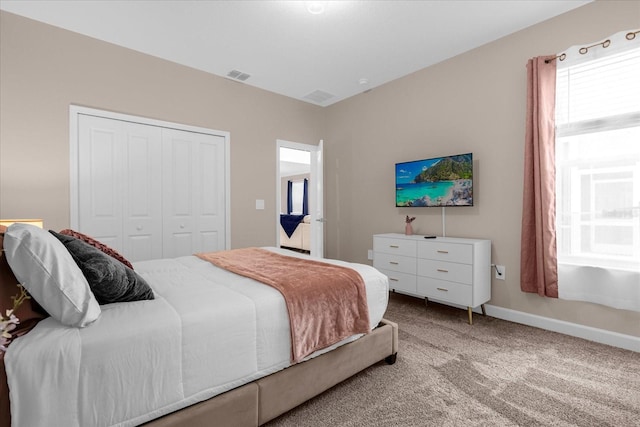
318 96
238 75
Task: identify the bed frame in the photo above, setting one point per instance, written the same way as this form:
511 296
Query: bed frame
261 401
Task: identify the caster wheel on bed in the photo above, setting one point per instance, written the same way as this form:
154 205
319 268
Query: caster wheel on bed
391 359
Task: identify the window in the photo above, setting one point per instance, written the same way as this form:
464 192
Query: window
297 193
598 161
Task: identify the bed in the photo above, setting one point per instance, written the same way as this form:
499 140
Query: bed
295 232
210 345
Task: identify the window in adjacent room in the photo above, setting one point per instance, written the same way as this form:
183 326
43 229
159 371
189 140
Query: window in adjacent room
297 196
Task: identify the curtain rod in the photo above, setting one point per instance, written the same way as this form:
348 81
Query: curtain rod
583 50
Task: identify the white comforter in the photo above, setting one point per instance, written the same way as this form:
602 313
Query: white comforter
207 331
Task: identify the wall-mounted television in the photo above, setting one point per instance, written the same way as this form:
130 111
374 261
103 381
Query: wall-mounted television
439 181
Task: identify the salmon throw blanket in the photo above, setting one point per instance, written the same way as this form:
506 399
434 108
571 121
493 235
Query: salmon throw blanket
326 303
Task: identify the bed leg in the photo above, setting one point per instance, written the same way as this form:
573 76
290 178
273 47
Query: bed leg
391 359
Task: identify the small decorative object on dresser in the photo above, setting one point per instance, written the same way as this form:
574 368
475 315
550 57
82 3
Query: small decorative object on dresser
408 229
447 269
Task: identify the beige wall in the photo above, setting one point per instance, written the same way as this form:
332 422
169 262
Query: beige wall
44 69
474 102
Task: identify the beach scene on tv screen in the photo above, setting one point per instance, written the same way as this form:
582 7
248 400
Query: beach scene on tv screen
441 181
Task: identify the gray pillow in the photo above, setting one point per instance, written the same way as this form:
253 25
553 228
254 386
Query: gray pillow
109 279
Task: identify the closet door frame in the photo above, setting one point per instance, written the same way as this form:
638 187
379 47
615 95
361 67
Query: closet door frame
75 111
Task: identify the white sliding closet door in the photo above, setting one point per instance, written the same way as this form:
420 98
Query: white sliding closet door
193 220
150 191
119 185
142 195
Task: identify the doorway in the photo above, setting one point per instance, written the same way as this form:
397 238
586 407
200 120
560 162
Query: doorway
299 194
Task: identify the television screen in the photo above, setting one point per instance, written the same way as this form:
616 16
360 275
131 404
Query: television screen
441 181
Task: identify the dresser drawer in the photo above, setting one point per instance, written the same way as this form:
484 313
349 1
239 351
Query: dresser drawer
451 252
402 282
456 293
450 271
394 262
390 245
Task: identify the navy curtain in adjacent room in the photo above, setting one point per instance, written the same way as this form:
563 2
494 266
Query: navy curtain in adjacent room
289 197
305 198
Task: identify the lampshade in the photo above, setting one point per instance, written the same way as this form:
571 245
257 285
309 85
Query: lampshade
37 222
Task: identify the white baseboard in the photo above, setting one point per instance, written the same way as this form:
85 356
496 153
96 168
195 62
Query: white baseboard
627 342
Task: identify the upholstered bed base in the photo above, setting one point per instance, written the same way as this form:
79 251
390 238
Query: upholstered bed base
258 402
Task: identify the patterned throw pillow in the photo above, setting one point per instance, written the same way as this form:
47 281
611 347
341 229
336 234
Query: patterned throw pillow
99 245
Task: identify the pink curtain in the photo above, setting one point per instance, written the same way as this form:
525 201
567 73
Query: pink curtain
538 256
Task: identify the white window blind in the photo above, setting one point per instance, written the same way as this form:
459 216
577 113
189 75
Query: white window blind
598 173
297 195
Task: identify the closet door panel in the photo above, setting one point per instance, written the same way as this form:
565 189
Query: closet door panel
177 192
142 195
99 179
193 186
211 219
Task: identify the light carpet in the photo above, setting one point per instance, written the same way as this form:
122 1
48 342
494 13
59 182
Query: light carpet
494 373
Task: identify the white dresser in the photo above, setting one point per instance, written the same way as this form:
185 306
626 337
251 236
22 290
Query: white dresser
447 269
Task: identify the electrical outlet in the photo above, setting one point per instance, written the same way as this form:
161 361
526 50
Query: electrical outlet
370 254
501 272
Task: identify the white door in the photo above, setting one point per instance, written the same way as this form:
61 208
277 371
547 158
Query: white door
99 179
142 197
317 208
115 154
147 190
194 220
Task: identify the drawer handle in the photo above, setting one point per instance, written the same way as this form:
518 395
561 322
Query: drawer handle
443 270
443 252
393 280
393 263
443 289
394 246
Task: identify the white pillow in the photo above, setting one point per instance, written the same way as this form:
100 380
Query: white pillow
46 269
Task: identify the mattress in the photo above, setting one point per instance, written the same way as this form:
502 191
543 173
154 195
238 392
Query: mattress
207 331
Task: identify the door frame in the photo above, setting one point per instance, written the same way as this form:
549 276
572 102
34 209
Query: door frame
317 229
75 111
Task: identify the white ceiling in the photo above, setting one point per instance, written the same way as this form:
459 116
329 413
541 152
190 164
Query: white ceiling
287 50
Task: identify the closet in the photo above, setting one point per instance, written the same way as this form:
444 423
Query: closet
148 190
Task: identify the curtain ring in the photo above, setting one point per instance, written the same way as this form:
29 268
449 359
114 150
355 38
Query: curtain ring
560 57
604 44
